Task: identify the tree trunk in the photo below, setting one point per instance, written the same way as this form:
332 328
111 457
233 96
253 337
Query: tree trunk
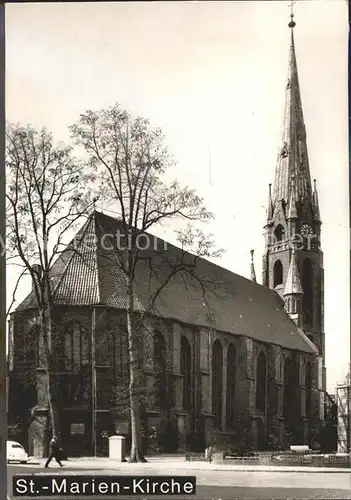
53 408
50 380
136 454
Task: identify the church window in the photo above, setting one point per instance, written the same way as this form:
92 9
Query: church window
307 285
279 233
120 357
76 347
101 347
160 370
278 273
286 386
217 383
118 353
308 384
74 358
290 385
261 382
231 383
30 348
28 353
185 370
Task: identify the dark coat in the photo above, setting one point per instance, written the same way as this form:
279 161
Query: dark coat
53 447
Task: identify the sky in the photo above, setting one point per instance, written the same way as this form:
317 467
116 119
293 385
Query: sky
213 76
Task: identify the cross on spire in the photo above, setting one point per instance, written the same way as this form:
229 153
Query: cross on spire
292 23
291 5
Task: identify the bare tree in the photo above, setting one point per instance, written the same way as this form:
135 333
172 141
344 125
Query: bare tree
45 199
132 161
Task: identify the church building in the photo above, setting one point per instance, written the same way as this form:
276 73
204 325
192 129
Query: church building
232 363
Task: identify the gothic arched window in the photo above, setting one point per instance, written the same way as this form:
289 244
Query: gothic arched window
231 384
290 383
277 273
308 384
287 381
185 370
261 382
30 347
217 382
307 285
76 342
279 233
120 356
160 370
28 353
101 347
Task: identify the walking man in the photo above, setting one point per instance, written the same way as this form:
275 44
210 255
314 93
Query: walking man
54 452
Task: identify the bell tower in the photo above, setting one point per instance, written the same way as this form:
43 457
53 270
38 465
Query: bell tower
293 259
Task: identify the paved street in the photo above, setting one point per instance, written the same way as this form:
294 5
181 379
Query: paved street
218 484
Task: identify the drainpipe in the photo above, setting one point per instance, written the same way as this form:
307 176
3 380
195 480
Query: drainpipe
93 383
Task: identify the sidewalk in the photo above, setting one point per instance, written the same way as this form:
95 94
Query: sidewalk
178 464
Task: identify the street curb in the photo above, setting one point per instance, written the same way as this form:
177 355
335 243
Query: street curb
149 466
307 471
194 471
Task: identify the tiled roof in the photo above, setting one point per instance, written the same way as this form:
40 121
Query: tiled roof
86 275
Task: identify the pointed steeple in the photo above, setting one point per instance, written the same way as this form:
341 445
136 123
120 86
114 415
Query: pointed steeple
293 283
252 267
292 161
316 213
296 214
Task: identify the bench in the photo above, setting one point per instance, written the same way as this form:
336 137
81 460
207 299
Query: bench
300 448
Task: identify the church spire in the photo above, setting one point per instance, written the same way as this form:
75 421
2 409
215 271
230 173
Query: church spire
296 219
292 161
252 267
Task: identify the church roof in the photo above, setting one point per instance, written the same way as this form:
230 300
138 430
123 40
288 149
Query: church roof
87 274
292 176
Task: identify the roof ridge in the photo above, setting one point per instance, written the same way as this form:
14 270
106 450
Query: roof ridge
186 252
